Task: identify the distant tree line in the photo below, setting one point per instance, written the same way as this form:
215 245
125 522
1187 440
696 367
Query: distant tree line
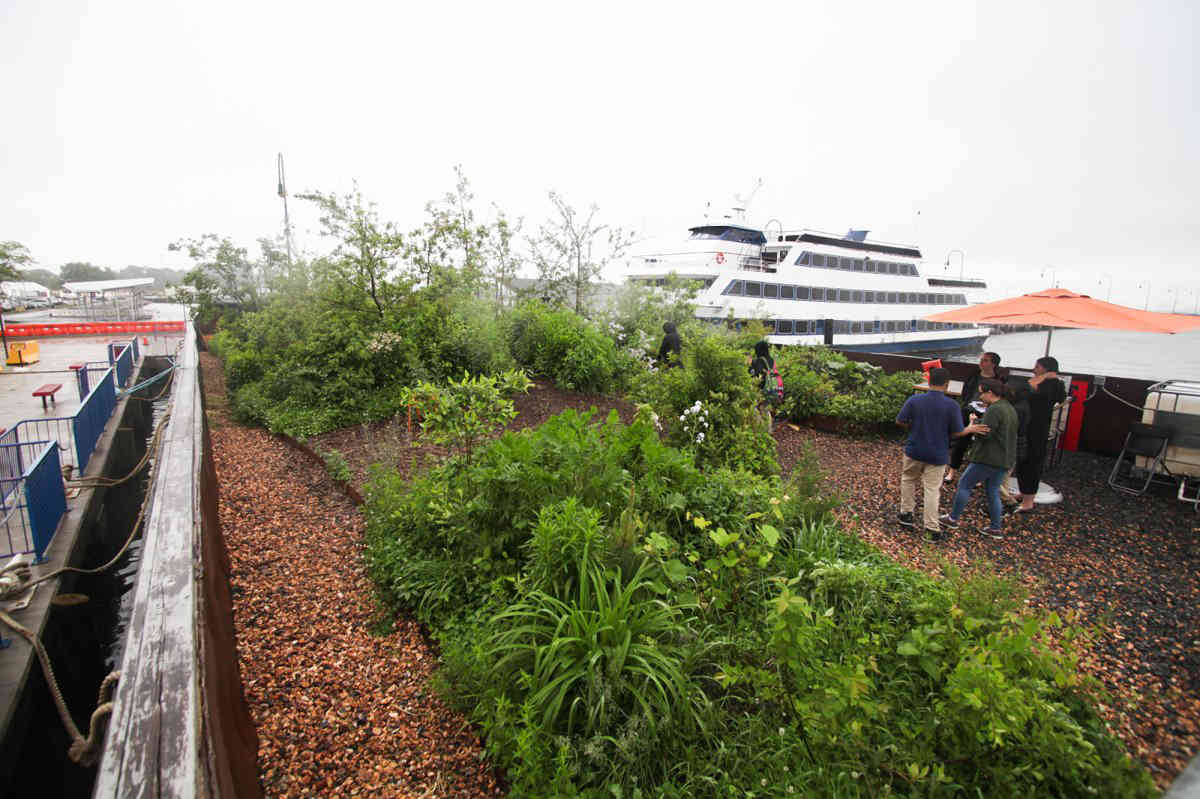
16 263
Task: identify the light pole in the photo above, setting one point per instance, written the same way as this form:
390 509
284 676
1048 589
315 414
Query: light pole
1107 297
1053 274
962 261
1174 297
1146 307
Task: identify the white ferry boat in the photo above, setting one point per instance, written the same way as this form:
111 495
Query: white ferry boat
809 287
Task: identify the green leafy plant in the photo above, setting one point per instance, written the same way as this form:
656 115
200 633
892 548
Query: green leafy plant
463 412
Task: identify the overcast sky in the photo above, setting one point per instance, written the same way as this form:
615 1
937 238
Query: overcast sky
1026 135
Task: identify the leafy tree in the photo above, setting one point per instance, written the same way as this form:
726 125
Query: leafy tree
225 277
503 261
78 271
571 250
13 257
42 276
162 277
368 253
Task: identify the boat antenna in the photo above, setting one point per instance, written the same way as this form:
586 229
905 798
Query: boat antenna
287 225
742 203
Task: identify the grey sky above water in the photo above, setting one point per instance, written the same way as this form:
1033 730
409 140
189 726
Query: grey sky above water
1027 135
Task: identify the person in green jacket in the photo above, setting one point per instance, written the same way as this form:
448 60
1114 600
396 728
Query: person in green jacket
989 459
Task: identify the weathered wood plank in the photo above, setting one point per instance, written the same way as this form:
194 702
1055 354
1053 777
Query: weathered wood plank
154 742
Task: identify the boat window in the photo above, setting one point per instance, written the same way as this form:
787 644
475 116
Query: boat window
961 299
921 324
803 259
818 294
868 296
877 327
842 326
869 265
784 327
856 327
787 292
856 296
843 295
753 289
858 265
818 259
725 233
891 298
903 297
770 290
769 325
734 288
802 292
819 326
832 261
923 299
940 299
891 268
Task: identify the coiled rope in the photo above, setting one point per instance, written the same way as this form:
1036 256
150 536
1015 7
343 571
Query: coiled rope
84 751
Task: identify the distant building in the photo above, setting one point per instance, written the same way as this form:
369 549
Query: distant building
24 290
110 300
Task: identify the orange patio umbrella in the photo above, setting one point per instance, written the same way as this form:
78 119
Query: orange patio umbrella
1063 308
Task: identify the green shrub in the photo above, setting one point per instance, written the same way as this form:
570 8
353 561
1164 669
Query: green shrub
619 621
710 407
565 347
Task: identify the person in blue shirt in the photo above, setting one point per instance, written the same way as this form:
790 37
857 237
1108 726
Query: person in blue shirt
932 420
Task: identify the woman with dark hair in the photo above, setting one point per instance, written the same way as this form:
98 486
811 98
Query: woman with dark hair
1043 392
989 368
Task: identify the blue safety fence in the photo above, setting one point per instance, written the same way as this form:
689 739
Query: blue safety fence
28 431
120 353
74 439
87 424
33 503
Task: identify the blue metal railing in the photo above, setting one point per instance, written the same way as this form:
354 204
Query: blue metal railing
29 505
59 429
121 354
33 503
88 422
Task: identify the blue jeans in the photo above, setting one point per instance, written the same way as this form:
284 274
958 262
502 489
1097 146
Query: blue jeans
992 477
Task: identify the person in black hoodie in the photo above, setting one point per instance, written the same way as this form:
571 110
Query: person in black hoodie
762 364
1044 391
989 366
670 352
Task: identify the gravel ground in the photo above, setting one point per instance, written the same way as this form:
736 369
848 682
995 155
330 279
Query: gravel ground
1133 562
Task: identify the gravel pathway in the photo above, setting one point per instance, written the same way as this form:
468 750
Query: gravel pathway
340 711
1130 562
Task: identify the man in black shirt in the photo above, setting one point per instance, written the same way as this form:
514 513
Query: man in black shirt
1044 391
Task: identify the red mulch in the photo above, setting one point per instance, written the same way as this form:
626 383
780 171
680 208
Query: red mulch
1133 561
340 711
398 442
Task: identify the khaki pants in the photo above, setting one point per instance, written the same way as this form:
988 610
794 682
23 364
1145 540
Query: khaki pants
930 477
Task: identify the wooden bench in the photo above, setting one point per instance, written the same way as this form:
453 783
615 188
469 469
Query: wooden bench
48 390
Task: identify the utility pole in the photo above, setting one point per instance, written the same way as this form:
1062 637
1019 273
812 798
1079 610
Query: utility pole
287 225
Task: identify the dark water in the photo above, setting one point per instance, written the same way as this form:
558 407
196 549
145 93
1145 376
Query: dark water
1144 356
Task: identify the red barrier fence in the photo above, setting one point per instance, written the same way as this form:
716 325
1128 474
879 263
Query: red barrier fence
93 328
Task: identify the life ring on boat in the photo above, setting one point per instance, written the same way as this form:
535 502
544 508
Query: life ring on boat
720 257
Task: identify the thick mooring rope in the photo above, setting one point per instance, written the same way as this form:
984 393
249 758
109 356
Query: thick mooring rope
84 751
